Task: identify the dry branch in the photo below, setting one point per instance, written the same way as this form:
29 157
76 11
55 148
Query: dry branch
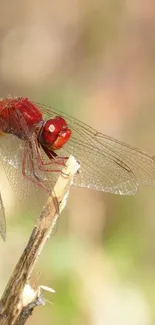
16 305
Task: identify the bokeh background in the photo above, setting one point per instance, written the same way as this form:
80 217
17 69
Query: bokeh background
96 61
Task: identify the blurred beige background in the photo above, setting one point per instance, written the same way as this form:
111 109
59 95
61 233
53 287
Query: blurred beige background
96 61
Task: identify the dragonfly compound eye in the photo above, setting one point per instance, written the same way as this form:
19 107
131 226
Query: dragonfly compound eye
55 133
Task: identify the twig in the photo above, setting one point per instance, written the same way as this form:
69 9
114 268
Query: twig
16 305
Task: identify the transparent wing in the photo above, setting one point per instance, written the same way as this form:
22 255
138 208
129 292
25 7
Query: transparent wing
2 220
12 151
30 196
106 164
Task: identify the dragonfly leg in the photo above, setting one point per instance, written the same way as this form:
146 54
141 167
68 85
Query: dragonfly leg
35 179
54 160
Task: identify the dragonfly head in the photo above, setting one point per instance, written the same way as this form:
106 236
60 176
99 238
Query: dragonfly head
54 133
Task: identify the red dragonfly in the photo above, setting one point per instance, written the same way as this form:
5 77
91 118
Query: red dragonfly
36 141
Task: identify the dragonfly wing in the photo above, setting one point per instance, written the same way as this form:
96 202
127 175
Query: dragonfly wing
30 196
12 150
106 164
138 161
102 172
2 220
11 155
